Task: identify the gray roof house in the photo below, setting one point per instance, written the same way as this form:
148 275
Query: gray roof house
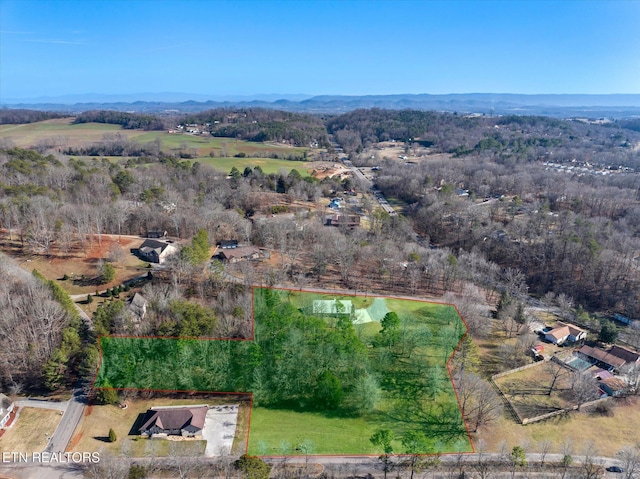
156 251
138 306
186 421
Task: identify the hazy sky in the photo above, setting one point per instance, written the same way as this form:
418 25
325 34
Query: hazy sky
60 47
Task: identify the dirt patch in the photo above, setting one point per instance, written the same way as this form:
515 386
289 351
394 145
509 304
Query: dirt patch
88 410
323 170
74 441
79 264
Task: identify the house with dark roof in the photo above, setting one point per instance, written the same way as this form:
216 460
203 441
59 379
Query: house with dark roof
565 333
156 251
6 406
157 234
185 421
242 253
629 356
601 358
228 244
349 221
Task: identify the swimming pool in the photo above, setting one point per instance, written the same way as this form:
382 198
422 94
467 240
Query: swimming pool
578 363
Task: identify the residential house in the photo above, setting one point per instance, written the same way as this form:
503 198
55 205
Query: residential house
349 221
156 251
565 333
601 358
6 406
156 234
243 253
333 307
138 306
629 356
186 421
227 244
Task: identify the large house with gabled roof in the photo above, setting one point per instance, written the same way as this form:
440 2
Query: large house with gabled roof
186 421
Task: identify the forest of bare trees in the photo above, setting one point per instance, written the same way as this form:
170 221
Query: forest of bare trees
524 225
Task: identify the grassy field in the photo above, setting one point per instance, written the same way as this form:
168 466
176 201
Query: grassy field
31 430
206 145
268 165
528 390
212 151
92 432
277 432
611 433
62 131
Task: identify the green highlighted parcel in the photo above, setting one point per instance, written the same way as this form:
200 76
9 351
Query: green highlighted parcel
326 372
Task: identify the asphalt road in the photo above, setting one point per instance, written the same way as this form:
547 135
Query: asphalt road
68 423
355 465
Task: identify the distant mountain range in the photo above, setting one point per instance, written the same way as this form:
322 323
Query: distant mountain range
610 106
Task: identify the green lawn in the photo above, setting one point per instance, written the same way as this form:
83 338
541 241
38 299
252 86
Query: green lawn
268 165
277 432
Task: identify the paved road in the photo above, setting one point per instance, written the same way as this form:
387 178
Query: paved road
68 423
384 204
362 465
40 471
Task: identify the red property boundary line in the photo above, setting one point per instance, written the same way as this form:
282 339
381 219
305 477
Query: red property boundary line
252 338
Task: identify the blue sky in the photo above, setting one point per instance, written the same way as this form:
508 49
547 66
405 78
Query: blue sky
243 47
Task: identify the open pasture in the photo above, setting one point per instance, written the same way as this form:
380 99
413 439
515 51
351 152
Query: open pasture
62 133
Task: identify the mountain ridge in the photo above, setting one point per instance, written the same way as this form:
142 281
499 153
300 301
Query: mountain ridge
559 105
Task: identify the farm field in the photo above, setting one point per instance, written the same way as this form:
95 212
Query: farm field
30 431
212 151
268 165
326 380
207 145
61 130
92 431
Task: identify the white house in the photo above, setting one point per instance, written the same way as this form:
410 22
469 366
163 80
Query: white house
6 406
565 332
